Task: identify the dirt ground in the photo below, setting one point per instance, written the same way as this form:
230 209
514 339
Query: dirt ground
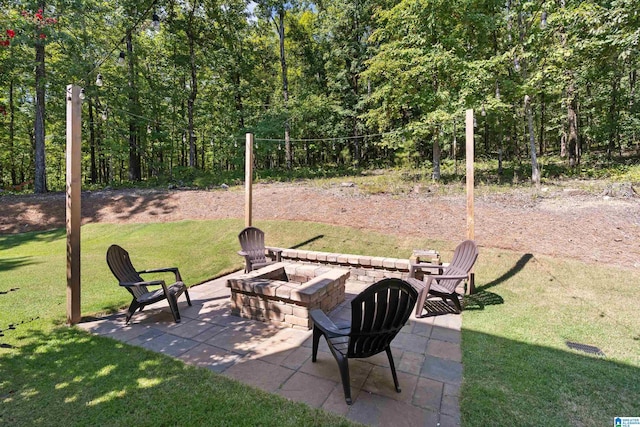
557 222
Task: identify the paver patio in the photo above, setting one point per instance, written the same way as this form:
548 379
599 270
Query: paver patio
427 356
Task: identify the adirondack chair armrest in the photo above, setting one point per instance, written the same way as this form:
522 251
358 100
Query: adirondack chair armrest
326 325
426 265
173 270
415 266
276 252
145 283
448 276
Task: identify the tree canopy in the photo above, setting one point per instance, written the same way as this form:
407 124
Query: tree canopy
171 86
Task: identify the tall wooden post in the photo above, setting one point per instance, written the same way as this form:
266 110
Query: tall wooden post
470 184
248 179
74 187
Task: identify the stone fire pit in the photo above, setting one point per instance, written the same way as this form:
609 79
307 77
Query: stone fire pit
283 293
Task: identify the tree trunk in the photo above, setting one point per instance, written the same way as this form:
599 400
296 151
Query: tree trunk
572 125
436 157
135 166
12 136
40 180
238 98
285 87
632 103
92 144
500 143
535 171
194 90
542 119
613 116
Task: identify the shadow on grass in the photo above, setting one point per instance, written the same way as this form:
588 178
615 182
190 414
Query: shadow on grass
88 380
7 264
13 240
529 384
519 266
306 242
480 299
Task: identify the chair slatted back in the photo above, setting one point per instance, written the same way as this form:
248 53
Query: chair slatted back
464 256
252 242
121 267
378 314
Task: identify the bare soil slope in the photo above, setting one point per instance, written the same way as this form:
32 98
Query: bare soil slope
560 223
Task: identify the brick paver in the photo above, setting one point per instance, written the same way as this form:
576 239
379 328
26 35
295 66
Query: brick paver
426 353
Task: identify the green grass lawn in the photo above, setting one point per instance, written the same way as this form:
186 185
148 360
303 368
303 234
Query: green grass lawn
517 367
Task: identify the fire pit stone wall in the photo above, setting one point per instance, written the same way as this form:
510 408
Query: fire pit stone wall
284 293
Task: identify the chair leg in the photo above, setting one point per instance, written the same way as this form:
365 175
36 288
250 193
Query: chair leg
393 369
422 298
456 302
343 364
132 309
316 340
173 304
186 292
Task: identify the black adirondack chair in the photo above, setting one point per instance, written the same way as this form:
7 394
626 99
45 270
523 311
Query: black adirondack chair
254 251
377 315
121 267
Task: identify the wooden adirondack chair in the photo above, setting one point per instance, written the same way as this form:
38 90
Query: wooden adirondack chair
377 315
444 285
121 267
254 251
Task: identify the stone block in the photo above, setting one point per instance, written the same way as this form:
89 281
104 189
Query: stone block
275 315
389 263
402 264
315 288
332 258
365 261
280 307
343 259
240 285
299 311
294 320
267 288
377 261
353 259
251 312
358 271
284 291
376 274
289 253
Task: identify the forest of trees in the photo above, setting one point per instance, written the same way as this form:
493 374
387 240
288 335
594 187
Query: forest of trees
173 85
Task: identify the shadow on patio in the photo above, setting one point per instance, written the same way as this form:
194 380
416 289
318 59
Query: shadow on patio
278 360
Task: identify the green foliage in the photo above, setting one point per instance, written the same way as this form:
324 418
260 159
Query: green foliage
371 84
